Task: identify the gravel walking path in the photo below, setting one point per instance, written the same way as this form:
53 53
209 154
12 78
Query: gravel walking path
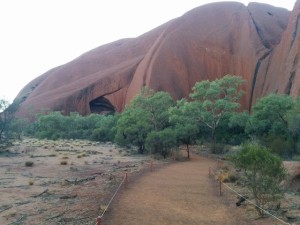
180 193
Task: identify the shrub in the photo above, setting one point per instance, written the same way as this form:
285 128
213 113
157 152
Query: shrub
29 163
64 162
161 142
227 176
263 173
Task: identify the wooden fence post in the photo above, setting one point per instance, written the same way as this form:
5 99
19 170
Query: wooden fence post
126 180
98 221
220 185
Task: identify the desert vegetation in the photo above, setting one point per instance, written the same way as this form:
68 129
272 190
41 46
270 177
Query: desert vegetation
154 124
44 181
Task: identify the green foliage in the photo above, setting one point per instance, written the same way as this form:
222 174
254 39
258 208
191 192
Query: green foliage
185 128
147 112
213 100
263 173
270 115
156 105
105 129
133 127
55 125
51 126
269 123
161 141
278 145
8 129
293 118
232 128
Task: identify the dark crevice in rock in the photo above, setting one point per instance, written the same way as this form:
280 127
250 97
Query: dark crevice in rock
265 74
295 31
101 105
255 76
259 32
290 83
292 76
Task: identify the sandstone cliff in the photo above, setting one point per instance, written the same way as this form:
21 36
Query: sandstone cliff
258 42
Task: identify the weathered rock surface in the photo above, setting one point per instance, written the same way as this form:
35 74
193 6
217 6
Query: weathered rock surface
283 74
258 42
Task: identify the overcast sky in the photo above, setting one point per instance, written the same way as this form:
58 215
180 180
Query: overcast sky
37 35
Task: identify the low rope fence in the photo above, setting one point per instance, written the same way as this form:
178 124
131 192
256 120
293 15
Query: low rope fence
124 182
211 173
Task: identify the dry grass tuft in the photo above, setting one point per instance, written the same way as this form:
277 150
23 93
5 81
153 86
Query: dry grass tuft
29 163
31 182
64 162
226 176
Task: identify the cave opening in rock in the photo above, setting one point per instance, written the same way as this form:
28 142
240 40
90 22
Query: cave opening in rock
102 106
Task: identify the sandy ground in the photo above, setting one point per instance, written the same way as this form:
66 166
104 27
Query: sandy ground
182 193
50 192
71 182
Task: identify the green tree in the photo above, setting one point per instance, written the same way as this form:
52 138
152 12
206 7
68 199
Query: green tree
269 115
51 126
213 100
186 129
105 129
263 173
293 119
232 129
8 128
82 127
133 127
147 112
161 141
269 123
156 104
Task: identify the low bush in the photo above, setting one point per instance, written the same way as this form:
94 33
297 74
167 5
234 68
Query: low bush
29 163
227 176
64 162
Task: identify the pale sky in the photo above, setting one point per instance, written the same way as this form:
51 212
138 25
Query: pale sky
37 35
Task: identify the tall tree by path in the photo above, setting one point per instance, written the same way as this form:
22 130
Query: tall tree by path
212 100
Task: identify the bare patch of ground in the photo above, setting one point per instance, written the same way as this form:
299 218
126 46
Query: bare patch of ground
67 183
71 182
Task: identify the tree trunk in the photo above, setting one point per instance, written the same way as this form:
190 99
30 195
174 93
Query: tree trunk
141 149
213 141
188 150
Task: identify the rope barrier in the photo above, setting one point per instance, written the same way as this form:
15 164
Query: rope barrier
256 205
100 217
227 186
113 197
125 179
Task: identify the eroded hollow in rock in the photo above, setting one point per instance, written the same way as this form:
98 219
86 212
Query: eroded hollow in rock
101 106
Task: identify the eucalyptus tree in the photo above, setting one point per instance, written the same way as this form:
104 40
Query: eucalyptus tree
213 100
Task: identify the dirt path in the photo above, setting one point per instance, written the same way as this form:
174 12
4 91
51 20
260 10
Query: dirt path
180 193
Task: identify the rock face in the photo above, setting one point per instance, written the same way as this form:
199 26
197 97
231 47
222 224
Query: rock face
283 74
258 42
